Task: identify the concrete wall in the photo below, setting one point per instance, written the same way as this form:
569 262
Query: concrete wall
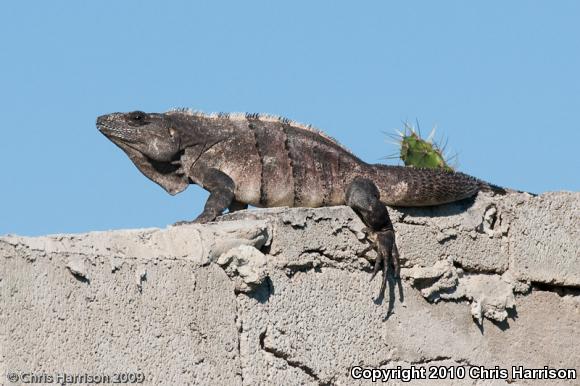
282 296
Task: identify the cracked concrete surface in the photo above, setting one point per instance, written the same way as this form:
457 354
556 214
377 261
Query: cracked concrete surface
282 296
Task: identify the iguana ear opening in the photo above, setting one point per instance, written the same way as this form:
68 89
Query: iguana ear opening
175 136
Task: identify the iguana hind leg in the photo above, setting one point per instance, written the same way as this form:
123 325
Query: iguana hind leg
363 197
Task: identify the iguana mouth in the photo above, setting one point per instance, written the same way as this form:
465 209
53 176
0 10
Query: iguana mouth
113 133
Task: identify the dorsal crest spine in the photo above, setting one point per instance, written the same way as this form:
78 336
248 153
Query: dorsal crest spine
259 116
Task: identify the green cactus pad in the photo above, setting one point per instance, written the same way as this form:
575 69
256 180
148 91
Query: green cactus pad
418 152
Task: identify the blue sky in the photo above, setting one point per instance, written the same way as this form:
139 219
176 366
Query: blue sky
499 79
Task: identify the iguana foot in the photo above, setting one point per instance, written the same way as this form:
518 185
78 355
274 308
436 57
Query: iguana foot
184 222
201 219
387 257
204 218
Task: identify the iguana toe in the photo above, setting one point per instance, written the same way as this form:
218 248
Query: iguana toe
387 257
201 219
204 218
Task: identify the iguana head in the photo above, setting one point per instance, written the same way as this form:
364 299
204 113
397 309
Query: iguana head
151 142
152 135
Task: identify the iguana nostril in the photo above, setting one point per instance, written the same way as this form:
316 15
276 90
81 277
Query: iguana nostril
101 121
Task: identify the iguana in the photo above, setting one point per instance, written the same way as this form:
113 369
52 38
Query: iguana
269 161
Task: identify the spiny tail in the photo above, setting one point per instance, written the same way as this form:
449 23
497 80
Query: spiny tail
409 186
487 187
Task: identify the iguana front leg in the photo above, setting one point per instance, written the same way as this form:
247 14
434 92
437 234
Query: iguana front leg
363 197
221 193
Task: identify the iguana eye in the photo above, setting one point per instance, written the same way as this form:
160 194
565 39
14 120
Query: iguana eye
137 116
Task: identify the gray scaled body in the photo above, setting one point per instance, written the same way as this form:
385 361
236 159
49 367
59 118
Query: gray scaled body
269 161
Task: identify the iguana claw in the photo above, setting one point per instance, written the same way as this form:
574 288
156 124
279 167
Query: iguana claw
387 257
201 219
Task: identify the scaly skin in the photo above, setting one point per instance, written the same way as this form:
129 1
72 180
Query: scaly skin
269 161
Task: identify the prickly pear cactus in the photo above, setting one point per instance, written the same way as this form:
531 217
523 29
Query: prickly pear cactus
418 152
